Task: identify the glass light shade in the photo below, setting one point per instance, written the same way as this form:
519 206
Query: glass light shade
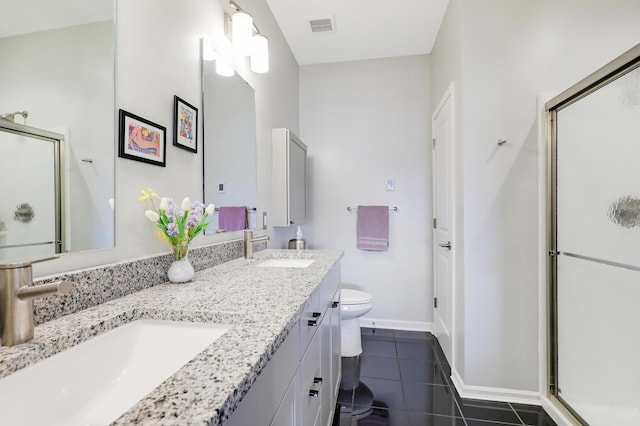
259 54
241 33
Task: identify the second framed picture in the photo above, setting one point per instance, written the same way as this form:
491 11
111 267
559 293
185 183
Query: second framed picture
185 123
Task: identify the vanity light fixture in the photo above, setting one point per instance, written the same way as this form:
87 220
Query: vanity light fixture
259 54
246 39
241 33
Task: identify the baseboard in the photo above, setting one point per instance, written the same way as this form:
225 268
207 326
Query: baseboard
396 324
494 394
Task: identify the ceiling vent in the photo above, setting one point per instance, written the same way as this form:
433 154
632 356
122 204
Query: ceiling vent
322 24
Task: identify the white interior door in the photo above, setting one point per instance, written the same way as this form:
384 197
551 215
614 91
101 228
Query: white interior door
443 143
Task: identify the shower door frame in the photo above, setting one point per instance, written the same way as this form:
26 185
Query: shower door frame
56 139
620 66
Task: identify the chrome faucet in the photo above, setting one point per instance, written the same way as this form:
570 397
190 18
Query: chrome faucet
16 300
248 243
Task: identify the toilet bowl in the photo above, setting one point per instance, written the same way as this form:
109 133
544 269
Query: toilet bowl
353 304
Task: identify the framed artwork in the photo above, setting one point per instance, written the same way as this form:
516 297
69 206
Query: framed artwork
185 123
142 140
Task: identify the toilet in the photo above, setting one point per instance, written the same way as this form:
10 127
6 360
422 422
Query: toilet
353 304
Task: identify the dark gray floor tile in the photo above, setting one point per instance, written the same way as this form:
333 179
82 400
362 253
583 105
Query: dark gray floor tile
410 336
488 410
431 399
345 399
382 416
379 348
473 422
376 334
414 370
416 350
379 368
437 349
424 419
533 415
386 391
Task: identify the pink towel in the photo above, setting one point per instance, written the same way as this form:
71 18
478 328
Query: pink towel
232 218
373 228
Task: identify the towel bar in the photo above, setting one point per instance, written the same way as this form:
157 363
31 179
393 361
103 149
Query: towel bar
353 209
251 209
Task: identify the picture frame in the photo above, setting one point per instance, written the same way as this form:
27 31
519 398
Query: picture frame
141 139
185 125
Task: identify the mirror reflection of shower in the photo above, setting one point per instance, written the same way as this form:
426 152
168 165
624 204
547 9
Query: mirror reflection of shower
11 116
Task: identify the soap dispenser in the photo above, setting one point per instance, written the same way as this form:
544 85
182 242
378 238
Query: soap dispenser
298 243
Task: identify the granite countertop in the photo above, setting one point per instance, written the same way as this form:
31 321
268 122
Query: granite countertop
260 304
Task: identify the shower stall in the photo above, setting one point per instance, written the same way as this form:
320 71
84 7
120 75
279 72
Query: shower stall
594 245
31 213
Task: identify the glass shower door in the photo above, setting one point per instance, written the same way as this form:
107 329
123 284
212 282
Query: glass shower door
597 253
30 217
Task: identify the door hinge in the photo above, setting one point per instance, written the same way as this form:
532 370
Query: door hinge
553 253
433 143
435 223
435 302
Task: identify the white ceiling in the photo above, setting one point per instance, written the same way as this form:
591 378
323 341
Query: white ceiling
28 16
365 29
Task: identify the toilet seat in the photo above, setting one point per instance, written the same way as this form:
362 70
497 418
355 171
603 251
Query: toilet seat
354 297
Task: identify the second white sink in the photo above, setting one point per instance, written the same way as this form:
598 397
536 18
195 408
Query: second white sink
286 263
96 381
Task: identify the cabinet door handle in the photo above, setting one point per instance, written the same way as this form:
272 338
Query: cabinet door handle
317 385
335 304
314 322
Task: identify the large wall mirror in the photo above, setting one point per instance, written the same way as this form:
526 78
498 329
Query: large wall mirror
230 180
56 77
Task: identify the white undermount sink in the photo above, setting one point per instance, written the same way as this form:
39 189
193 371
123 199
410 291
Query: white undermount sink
96 381
286 263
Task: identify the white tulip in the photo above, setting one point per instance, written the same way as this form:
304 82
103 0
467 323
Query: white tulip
164 204
186 204
151 215
210 209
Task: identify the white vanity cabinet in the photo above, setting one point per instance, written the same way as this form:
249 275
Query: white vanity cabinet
267 396
289 178
318 368
298 387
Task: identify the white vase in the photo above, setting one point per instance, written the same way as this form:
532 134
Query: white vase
181 271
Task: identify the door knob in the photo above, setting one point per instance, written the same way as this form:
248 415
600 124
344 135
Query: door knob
447 246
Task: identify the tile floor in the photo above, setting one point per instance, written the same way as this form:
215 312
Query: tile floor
409 378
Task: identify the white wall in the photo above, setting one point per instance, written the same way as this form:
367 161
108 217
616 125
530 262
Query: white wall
364 122
158 56
511 52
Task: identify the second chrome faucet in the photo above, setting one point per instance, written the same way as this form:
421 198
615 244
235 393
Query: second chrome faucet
248 242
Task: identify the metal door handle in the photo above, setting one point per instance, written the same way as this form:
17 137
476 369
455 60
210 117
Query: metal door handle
447 246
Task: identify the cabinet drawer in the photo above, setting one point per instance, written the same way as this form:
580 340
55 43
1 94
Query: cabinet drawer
311 384
310 322
330 284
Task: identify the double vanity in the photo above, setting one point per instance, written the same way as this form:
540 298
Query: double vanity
249 341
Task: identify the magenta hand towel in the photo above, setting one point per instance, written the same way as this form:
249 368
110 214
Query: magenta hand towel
373 228
232 218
